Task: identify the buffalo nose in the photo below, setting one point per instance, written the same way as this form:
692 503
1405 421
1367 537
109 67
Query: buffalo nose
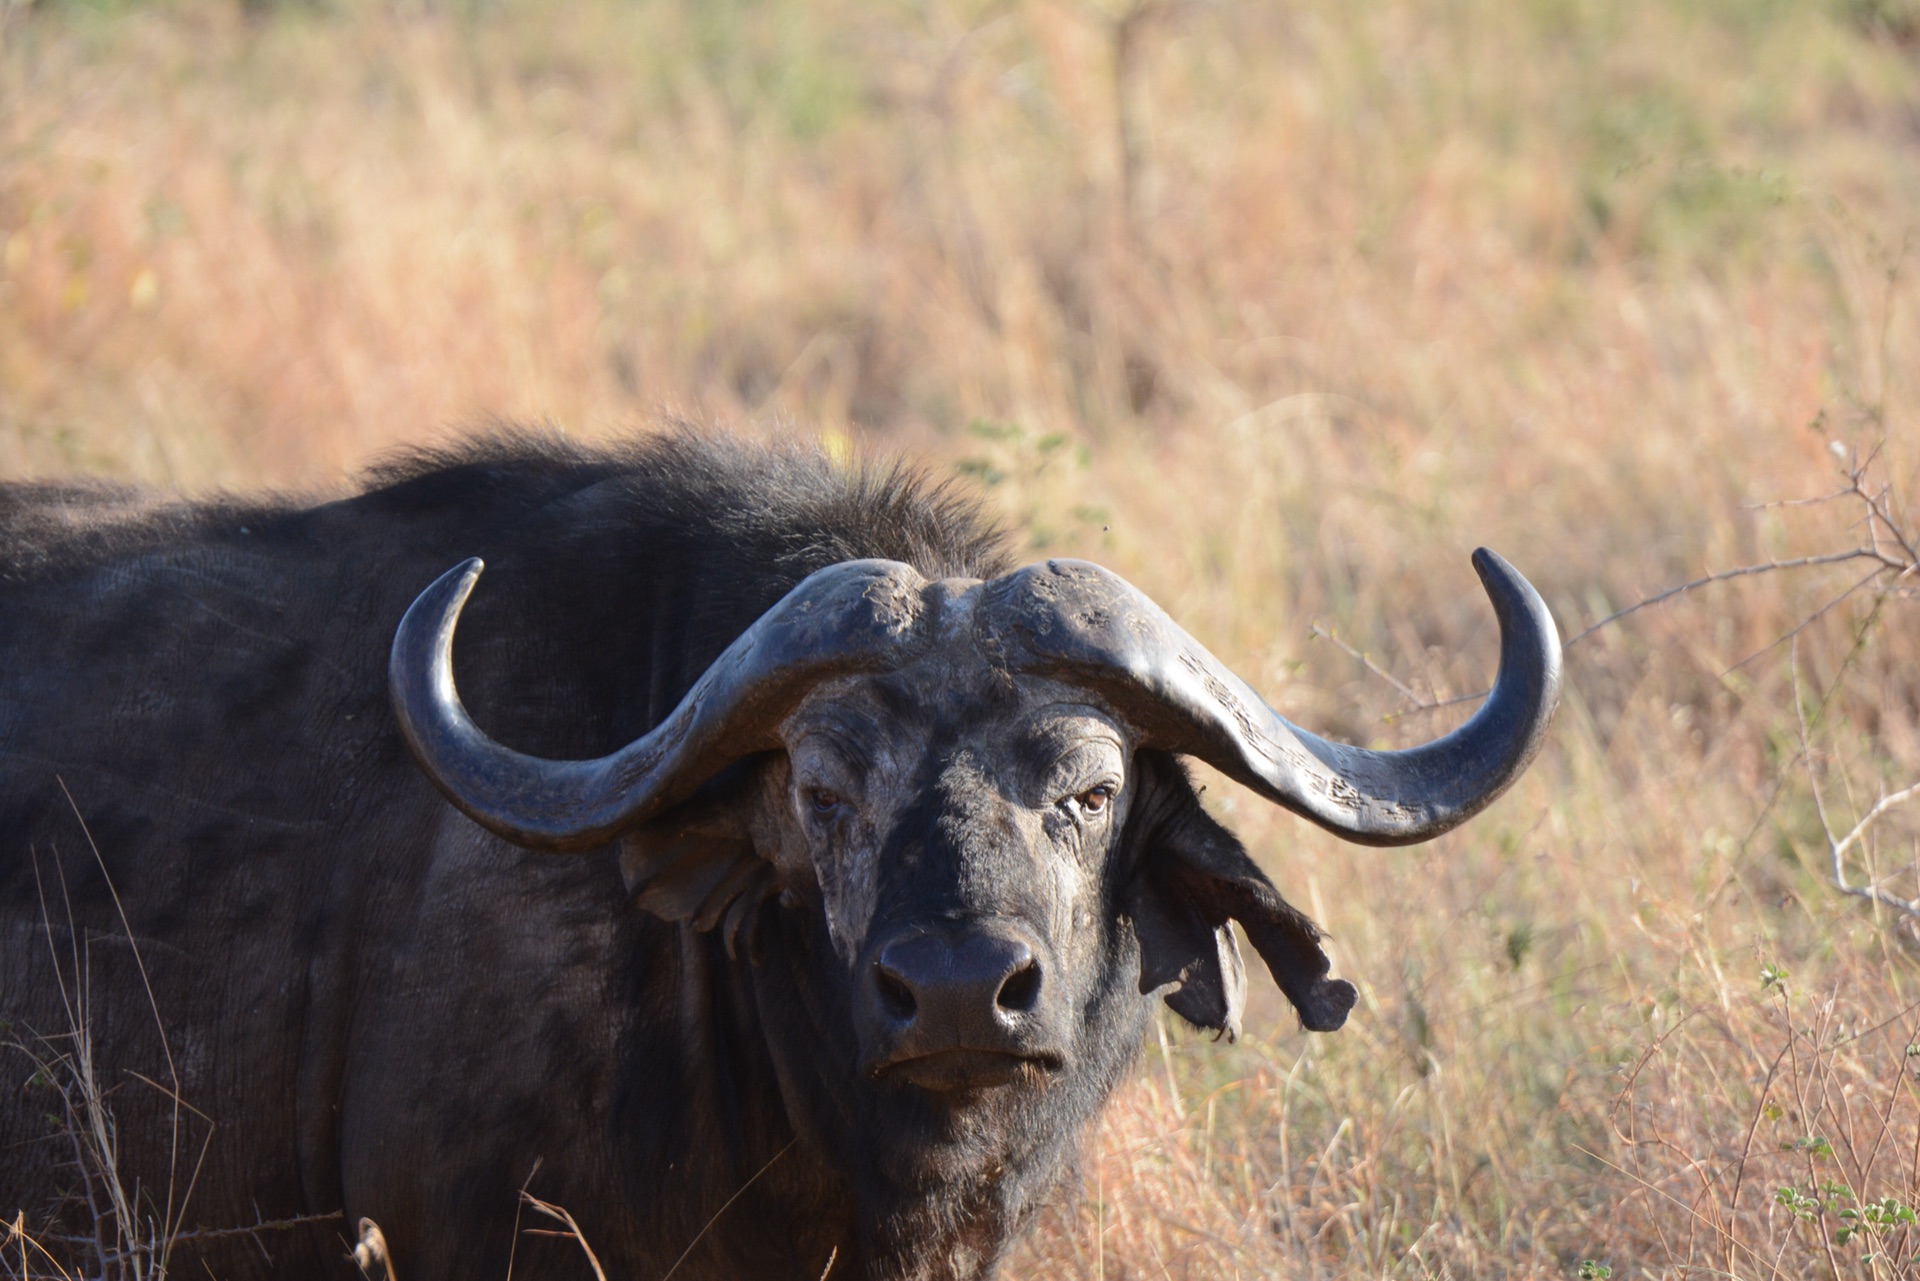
967 986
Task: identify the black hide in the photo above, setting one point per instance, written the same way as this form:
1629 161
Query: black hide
368 1006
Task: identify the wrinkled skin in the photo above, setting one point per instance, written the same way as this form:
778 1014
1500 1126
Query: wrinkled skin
1023 789
945 797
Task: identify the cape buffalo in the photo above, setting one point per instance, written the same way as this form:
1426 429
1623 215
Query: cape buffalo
819 901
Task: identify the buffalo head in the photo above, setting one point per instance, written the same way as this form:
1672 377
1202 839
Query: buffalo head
969 791
950 768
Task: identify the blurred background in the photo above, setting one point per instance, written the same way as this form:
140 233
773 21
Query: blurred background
1277 308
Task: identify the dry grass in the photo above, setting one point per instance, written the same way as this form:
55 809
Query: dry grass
135 1228
1278 309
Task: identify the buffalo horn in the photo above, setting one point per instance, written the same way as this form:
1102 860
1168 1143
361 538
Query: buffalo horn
857 616
1083 624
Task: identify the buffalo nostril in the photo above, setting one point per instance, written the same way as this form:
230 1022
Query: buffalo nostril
896 997
945 985
1021 990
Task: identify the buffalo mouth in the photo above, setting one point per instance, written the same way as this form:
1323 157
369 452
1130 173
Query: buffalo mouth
964 1070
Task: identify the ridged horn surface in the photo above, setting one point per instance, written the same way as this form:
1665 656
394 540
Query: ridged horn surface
1077 622
857 616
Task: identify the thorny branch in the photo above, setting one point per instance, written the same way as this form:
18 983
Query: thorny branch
216 1234
1888 544
1765 567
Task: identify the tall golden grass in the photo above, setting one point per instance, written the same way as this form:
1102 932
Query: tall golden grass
1279 309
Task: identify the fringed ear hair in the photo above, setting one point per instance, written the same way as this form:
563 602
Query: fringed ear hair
1192 877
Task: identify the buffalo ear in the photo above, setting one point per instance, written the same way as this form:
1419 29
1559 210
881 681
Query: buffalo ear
1200 961
698 863
1193 876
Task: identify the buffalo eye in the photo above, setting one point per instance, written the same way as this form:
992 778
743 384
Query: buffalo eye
823 800
1094 799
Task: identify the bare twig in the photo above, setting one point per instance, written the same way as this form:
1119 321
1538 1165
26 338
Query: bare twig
1804 623
271 1225
1419 704
1892 549
1778 503
215 1234
1406 691
1838 846
1744 571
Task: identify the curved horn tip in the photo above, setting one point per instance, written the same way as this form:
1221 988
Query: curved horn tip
446 594
1493 567
1505 583
469 574
431 618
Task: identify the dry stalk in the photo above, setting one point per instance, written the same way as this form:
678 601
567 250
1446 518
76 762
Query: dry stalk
133 1237
728 1205
19 1239
371 1256
572 1232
